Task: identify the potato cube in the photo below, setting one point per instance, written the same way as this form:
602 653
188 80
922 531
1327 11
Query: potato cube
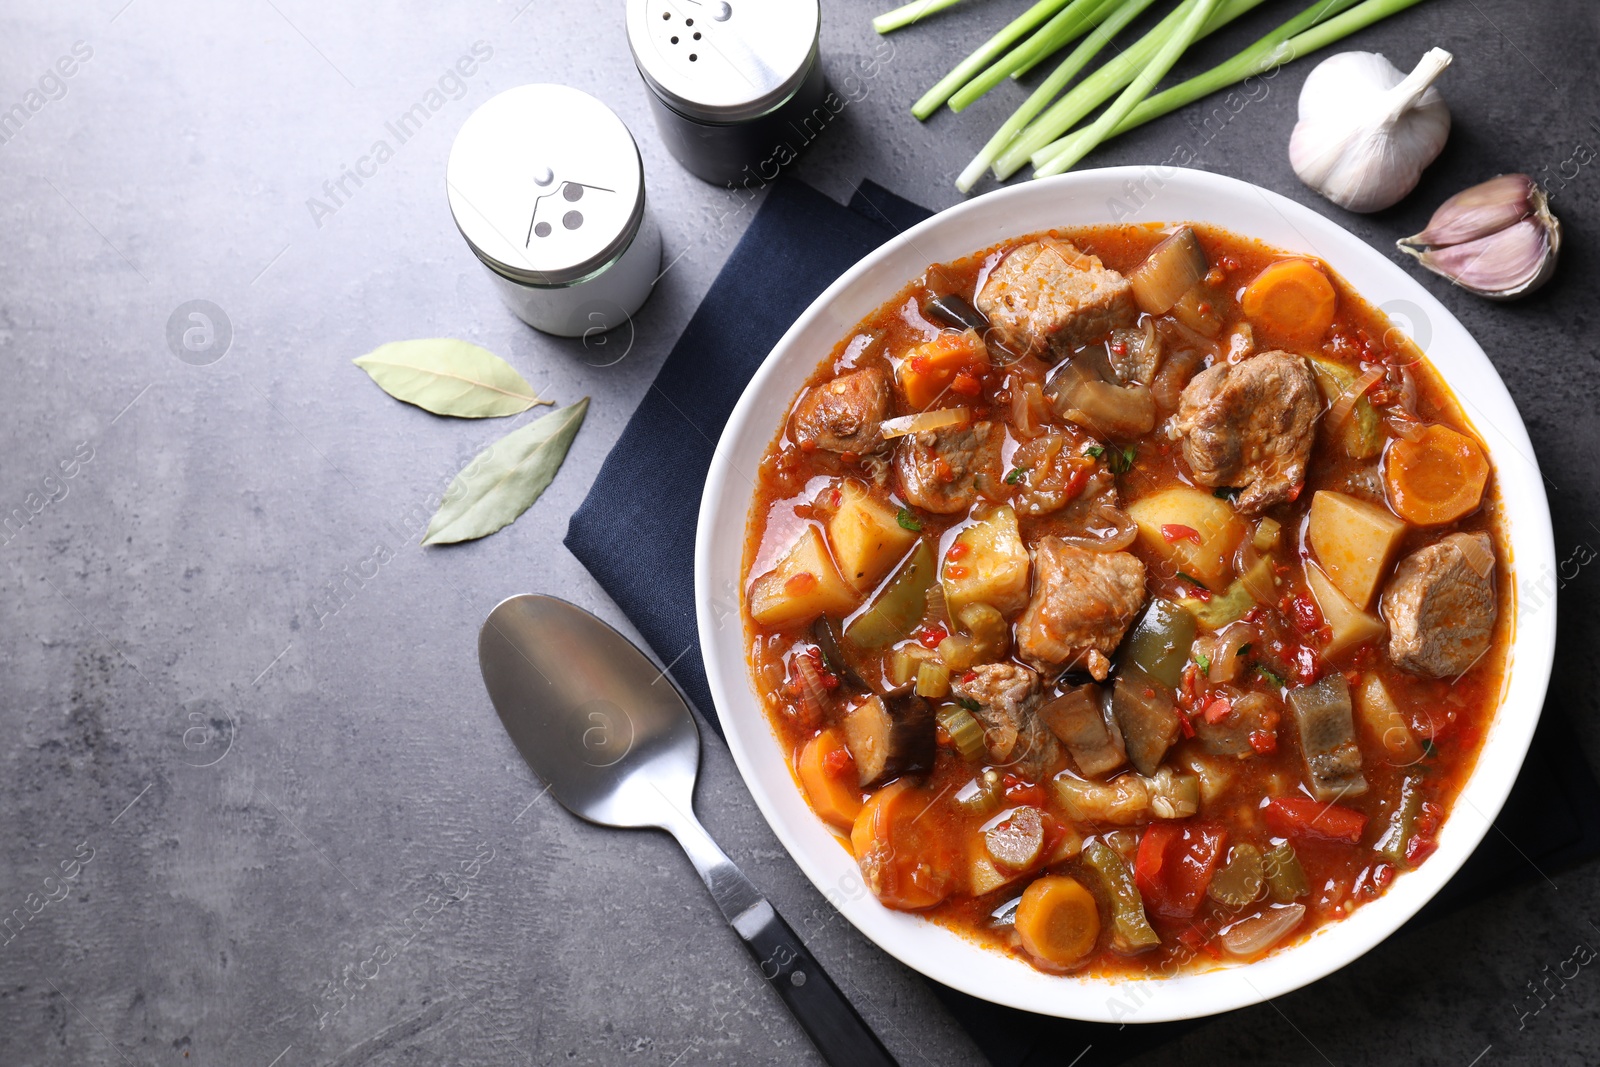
1354 541
1165 519
987 564
865 534
803 585
1350 625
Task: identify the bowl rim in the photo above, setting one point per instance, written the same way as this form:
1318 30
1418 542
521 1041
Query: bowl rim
941 953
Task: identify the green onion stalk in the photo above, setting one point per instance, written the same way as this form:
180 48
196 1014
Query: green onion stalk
1332 20
906 14
1112 77
1070 23
996 46
1069 68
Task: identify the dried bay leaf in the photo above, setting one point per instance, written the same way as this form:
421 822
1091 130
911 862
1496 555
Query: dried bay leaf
449 377
505 478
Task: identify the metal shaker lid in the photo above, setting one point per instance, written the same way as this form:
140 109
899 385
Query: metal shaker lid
723 61
546 184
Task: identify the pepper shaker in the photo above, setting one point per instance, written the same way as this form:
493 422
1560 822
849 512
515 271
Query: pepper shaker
736 85
547 187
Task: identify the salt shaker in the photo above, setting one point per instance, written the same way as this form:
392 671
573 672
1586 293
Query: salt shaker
736 85
546 185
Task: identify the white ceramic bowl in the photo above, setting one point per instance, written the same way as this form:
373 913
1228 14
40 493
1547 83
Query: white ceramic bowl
1132 194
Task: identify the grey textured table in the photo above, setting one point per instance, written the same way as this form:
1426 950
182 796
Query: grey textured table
242 706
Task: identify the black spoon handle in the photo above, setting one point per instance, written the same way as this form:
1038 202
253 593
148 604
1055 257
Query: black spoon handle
838 1031
834 1026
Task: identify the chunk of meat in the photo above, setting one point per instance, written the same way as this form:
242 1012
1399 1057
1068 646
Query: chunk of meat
1008 698
1440 606
1250 425
842 414
1048 295
1083 602
944 470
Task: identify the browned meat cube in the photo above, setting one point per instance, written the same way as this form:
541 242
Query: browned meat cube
944 470
1250 425
1082 604
1440 606
842 414
1008 699
1048 295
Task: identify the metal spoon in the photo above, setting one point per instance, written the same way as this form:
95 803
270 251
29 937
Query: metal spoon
618 746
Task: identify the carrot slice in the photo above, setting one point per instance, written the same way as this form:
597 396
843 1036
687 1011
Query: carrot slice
829 776
1436 478
1058 921
1292 298
906 860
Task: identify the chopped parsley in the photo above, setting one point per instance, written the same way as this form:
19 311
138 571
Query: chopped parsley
1096 450
1226 492
1428 749
1204 661
1246 647
1192 580
908 521
1121 459
1015 476
968 703
1270 675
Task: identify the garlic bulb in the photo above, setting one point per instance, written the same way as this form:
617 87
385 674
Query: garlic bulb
1366 130
1497 239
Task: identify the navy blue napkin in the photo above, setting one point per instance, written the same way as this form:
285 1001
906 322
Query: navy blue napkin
797 244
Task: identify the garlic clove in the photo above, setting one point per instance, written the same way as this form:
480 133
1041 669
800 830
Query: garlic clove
1503 265
1485 208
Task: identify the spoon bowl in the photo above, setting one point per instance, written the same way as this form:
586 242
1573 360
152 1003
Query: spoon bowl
593 717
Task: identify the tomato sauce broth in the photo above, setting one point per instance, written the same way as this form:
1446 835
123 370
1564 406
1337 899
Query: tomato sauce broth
1448 717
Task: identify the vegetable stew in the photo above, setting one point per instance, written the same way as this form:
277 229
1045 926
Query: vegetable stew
1131 599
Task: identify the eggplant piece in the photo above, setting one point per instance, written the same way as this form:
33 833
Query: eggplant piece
890 737
1078 718
1172 269
1147 716
956 312
1119 412
1254 712
825 632
1327 726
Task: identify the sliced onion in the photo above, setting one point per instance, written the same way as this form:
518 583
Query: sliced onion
1107 528
922 422
1182 336
1347 400
1225 658
1253 936
1175 372
814 700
